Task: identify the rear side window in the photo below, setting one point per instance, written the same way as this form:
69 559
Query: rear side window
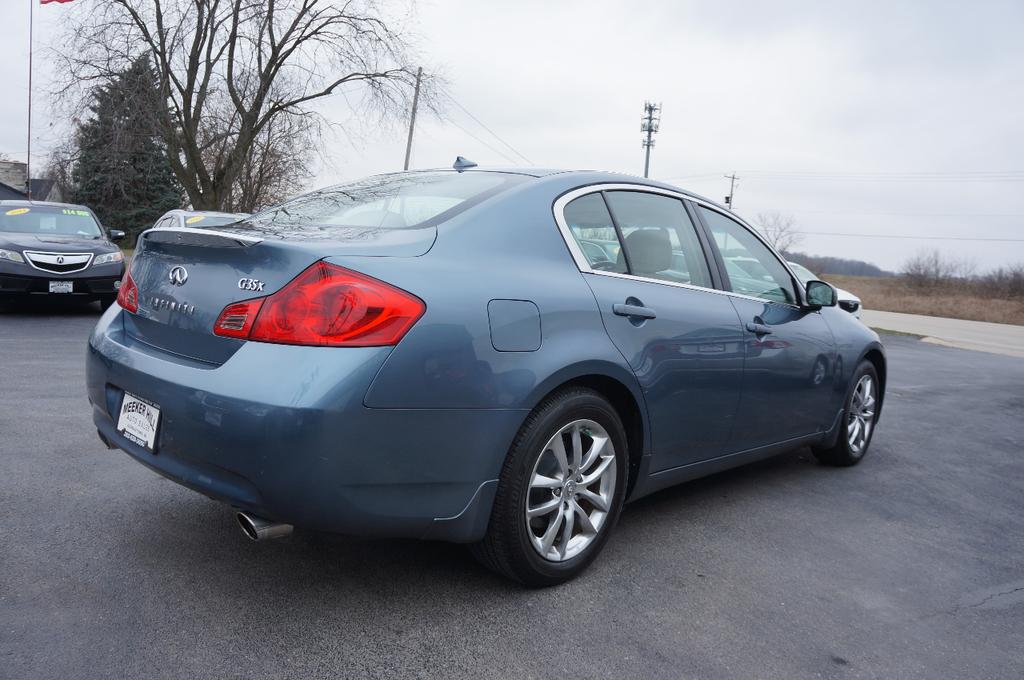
396 201
659 238
592 228
751 267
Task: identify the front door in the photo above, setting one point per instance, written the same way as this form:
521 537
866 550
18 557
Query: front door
683 341
789 353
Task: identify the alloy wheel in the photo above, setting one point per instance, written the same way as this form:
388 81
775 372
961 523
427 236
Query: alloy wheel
861 417
571 491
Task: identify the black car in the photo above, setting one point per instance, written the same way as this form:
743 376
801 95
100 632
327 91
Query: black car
57 249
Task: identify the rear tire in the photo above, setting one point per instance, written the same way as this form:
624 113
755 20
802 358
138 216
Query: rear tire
560 491
858 420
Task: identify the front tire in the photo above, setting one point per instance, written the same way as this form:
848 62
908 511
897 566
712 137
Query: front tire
858 420
560 491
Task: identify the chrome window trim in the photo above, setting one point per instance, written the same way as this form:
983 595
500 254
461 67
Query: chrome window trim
584 265
193 230
85 265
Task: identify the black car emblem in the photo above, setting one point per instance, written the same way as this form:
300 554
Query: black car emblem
178 275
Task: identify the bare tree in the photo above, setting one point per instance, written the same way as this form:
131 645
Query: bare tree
930 268
60 168
780 230
1004 281
236 75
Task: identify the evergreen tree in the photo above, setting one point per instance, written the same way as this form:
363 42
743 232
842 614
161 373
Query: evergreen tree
122 170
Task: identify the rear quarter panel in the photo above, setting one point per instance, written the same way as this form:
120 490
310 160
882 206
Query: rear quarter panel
506 248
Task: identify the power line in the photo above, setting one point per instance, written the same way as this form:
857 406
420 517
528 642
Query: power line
497 151
923 177
876 176
489 130
902 214
920 238
883 173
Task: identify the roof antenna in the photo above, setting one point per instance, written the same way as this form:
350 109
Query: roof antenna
461 164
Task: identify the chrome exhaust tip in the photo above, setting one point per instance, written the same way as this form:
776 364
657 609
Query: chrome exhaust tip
259 529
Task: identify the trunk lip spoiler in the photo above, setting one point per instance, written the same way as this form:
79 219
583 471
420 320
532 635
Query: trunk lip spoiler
209 232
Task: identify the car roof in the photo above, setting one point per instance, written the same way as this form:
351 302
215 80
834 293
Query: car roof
586 177
49 204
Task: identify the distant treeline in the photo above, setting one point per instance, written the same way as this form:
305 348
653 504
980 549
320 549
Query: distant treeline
821 265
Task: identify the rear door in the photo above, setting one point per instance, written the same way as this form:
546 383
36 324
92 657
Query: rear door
654 289
790 356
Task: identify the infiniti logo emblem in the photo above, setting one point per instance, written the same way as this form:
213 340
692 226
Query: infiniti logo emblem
178 275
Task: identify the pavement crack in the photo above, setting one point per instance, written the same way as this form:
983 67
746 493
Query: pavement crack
994 596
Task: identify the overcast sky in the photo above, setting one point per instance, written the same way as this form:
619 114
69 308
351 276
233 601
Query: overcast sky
888 118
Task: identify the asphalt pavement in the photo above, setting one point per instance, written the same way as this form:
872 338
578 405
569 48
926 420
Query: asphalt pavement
910 565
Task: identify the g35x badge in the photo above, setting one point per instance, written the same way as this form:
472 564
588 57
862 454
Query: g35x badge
250 284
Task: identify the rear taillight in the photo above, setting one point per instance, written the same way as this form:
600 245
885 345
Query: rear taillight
237 319
325 305
128 293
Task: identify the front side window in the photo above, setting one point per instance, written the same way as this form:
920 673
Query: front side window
751 267
49 220
660 240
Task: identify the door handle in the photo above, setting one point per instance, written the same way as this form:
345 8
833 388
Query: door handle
634 311
758 328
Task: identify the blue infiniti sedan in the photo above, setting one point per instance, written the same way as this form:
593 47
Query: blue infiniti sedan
498 358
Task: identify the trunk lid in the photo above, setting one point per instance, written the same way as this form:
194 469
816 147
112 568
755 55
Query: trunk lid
186 277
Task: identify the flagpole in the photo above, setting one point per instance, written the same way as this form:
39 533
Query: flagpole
28 157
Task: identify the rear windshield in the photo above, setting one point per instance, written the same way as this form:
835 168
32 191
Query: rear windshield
397 201
200 221
43 220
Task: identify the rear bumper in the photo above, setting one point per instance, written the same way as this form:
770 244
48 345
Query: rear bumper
282 432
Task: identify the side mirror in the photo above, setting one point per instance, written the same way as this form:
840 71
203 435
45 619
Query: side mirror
820 294
115 234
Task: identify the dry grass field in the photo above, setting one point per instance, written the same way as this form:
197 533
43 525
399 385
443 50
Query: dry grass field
947 300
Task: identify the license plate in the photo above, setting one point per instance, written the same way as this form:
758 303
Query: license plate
62 286
138 420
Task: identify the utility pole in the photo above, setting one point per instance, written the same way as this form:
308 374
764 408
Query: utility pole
412 119
732 187
28 156
649 124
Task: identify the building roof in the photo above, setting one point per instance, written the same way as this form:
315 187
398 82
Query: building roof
9 192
